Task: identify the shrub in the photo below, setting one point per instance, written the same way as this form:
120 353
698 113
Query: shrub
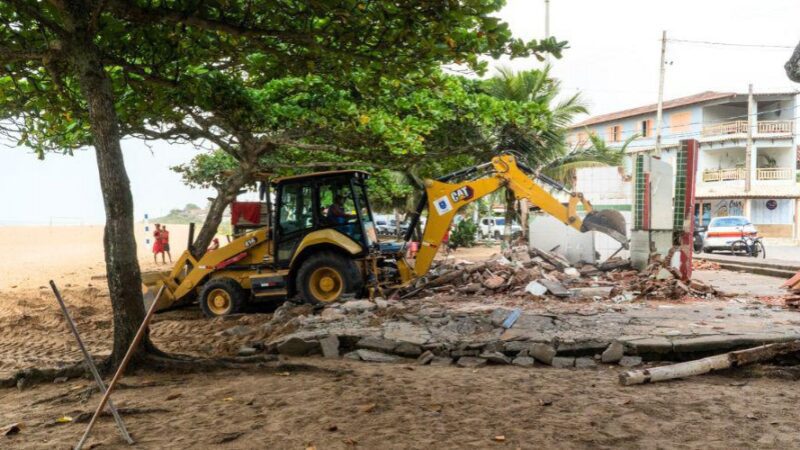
464 234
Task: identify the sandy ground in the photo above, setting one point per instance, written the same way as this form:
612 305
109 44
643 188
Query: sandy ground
34 255
345 404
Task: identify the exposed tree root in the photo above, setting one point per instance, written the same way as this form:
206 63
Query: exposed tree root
29 377
162 362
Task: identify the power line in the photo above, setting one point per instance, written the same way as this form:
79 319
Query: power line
730 44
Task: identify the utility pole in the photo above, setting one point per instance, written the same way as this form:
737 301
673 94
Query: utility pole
547 26
748 153
659 110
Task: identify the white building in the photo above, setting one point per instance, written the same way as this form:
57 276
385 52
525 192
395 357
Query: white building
748 152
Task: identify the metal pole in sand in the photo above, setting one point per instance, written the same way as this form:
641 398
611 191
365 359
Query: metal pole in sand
90 362
121 369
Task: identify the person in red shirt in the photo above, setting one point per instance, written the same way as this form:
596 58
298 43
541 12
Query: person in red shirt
165 244
157 244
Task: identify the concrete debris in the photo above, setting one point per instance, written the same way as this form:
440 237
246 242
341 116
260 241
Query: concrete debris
377 344
373 356
408 349
630 361
470 362
585 363
330 346
425 358
496 357
613 353
535 288
358 306
298 347
538 273
523 361
563 362
542 352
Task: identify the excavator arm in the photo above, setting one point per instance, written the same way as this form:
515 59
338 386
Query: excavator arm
444 198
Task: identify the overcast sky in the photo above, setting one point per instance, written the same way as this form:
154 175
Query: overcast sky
613 60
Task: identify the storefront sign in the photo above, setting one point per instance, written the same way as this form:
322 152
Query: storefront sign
772 204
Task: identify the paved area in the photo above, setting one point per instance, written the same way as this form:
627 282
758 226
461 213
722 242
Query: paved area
742 283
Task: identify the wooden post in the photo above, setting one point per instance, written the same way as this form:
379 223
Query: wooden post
90 363
121 369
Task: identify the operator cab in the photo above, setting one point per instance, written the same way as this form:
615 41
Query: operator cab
334 200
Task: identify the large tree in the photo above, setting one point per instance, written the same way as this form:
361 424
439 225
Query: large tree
792 66
82 73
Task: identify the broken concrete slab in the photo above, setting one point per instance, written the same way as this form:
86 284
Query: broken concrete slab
330 346
535 288
555 288
585 363
425 358
495 357
377 344
613 353
542 352
470 362
441 361
523 361
630 361
373 356
295 346
406 332
563 362
655 344
358 306
408 349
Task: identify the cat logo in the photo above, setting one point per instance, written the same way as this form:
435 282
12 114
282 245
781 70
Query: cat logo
462 193
250 242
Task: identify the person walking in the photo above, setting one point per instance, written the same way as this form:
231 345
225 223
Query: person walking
157 244
165 244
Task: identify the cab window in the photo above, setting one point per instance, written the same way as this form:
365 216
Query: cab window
338 208
297 211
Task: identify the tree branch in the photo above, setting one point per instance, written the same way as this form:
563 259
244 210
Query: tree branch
22 7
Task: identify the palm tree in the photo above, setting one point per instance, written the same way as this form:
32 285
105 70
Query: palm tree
545 147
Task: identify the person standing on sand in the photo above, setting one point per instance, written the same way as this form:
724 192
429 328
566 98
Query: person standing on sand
165 244
157 245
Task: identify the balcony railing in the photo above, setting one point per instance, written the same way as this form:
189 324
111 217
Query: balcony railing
723 175
777 173
740 127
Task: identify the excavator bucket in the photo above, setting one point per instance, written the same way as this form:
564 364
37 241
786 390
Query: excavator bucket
609 222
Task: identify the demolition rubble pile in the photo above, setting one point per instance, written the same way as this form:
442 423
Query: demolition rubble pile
793 285
541 274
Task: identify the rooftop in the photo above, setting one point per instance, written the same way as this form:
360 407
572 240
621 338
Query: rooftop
702 97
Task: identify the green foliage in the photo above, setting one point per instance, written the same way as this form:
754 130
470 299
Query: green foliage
464 234
188 70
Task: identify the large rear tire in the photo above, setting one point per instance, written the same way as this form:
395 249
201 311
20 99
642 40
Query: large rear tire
222 297
325 277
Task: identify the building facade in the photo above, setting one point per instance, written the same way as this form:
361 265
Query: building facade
748 160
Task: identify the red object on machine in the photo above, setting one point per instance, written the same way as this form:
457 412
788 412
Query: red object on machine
246 213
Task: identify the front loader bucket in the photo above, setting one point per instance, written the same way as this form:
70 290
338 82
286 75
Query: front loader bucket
609 222
151 284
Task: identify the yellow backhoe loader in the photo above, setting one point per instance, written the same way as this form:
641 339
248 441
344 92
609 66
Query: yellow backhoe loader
321 243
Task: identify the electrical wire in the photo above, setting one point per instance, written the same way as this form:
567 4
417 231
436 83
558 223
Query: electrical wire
729 44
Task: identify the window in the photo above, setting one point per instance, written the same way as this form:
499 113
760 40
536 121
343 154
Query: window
679 122
729 222
646 128
296 208
614 133
338 207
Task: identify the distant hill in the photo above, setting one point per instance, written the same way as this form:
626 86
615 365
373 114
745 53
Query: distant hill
189 213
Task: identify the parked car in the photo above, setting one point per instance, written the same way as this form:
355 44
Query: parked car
724 231
494 227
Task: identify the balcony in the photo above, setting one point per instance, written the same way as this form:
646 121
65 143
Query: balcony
776 173
785 127
723 174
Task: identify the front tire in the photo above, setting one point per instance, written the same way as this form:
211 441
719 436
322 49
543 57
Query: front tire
759 250
325 277
222 297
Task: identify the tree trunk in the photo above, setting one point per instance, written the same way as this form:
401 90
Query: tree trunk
225 195
122 265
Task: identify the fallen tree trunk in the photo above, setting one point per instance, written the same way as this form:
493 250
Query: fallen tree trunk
705 365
